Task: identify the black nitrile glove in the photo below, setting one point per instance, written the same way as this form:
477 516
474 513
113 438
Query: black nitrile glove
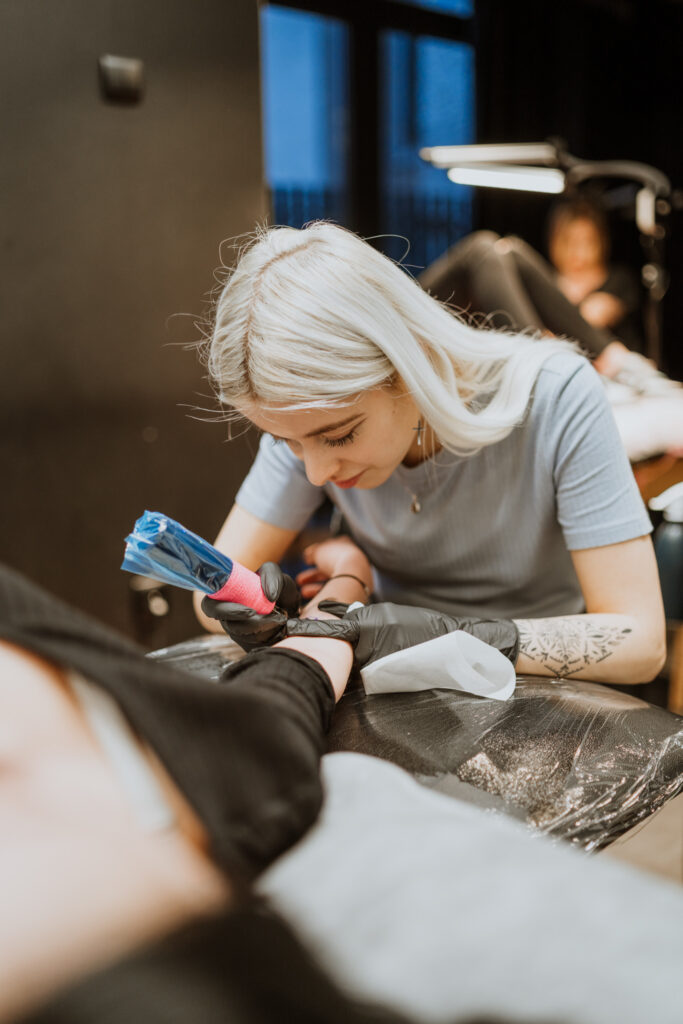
380 629
250 629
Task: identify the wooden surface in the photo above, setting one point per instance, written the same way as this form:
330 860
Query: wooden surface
655 846
654 475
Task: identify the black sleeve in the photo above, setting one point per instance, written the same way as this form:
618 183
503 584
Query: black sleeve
279 704
622 283
246 754
244 967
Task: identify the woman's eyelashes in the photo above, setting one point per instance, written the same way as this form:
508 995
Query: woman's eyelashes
330 442
333 442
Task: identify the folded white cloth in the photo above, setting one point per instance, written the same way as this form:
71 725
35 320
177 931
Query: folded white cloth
648 425
456 661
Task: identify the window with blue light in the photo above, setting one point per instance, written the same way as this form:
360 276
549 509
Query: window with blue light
461 8
425 97
427 100
304 61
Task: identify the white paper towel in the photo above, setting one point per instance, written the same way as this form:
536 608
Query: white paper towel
456 661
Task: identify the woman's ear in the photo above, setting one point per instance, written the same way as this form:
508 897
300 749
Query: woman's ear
396 386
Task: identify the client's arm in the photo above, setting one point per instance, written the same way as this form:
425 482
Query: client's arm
377 630
342 573
620 638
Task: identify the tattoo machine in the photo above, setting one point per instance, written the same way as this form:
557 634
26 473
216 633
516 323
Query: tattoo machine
166 551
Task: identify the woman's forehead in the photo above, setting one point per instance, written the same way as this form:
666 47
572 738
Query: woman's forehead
283 421
294 422
581 226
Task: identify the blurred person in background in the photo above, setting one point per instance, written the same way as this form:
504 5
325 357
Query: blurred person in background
581 296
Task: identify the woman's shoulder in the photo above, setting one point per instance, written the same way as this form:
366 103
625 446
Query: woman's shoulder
565 382
562 369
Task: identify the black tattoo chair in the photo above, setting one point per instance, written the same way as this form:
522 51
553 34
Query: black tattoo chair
576 760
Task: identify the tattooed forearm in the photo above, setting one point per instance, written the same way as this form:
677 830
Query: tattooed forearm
566 646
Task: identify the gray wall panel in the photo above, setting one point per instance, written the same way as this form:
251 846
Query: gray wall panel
111 216
110 223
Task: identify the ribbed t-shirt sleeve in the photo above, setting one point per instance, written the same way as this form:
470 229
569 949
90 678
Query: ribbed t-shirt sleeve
276 488
598 502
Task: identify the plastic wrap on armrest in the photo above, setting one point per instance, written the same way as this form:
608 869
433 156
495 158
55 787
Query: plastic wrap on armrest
575 760
578 761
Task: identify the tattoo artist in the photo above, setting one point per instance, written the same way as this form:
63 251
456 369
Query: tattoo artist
480 473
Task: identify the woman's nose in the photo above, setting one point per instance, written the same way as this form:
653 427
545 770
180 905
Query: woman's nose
320 466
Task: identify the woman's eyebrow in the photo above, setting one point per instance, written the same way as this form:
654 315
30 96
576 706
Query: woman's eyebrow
333 426
322 430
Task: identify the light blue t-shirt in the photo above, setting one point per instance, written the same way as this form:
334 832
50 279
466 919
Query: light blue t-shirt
495 529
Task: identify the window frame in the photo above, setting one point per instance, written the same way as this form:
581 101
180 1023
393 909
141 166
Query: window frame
366 20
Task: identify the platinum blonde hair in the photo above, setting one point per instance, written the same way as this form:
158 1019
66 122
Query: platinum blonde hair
312 318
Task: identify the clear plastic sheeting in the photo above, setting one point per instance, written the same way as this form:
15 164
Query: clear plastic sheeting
577 761
206 656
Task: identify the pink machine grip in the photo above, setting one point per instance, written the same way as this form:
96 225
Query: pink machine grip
244 587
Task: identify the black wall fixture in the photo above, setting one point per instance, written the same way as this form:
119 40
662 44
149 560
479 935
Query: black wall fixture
122 79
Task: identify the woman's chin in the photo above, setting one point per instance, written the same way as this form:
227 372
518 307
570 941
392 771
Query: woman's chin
372 478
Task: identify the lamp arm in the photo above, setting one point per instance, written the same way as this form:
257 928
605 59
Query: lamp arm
648 176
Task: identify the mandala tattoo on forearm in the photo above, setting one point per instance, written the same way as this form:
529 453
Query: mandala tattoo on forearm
568 647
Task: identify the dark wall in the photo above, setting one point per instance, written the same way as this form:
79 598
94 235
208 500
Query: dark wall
111 218
607 76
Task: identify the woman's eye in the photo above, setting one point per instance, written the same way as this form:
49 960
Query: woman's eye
347 439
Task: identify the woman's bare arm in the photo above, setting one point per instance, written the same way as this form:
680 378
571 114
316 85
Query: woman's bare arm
342 559
621 638
250 541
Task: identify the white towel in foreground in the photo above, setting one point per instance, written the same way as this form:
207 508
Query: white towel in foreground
456 661
444 911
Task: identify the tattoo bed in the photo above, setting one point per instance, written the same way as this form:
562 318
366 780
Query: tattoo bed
575 760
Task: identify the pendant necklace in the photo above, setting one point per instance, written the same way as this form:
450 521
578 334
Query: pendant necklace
429 476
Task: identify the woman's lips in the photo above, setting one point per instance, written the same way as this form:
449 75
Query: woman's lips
351 482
